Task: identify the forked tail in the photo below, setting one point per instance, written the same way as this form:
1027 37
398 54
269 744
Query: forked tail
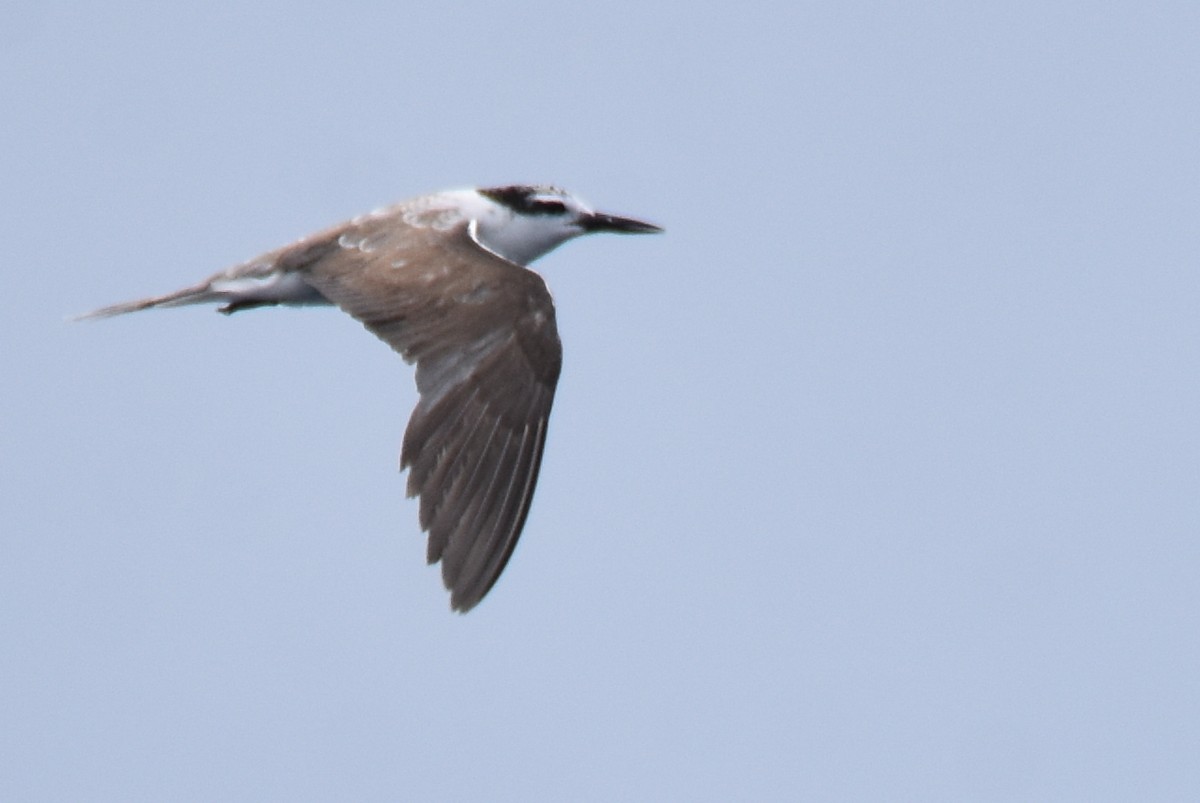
197 294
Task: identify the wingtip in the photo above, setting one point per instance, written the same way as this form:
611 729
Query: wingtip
461 606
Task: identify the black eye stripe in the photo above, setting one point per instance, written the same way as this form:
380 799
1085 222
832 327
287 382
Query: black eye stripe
525 200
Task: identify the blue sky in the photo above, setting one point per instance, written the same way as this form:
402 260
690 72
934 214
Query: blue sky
874 478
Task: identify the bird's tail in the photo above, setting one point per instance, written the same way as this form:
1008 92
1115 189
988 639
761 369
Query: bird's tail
197 294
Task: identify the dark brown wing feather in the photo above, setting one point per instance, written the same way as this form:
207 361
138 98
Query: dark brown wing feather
482 333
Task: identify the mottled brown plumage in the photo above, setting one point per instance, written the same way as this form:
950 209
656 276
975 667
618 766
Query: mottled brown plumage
441 279
482 333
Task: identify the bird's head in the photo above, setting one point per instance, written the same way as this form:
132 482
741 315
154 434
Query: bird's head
523 222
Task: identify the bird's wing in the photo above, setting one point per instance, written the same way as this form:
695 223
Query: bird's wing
482 333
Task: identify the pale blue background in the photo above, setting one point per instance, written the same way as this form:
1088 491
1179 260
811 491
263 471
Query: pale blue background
875 478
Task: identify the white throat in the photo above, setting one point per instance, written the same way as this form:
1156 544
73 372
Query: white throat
516 237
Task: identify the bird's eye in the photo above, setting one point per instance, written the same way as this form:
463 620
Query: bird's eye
549 207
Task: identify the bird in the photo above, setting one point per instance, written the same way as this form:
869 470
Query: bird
444 280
